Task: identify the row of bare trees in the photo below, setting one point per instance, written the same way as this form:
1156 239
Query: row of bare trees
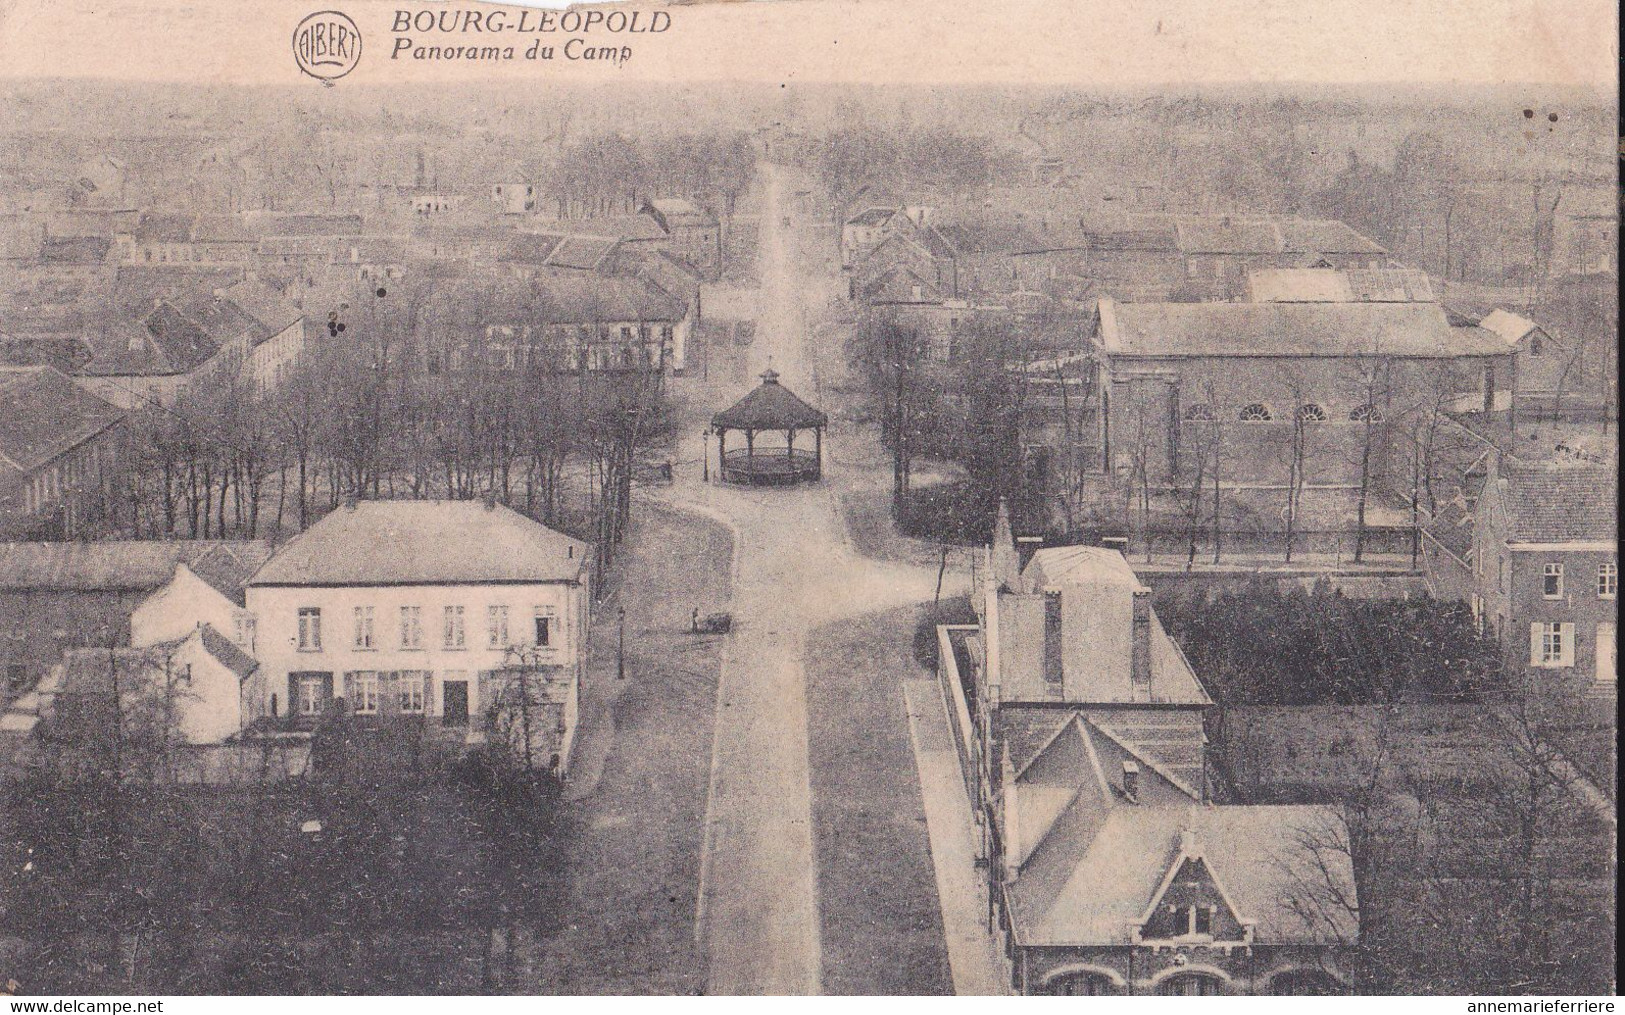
407 402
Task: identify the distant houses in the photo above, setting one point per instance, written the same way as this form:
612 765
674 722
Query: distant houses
1111 869
60 452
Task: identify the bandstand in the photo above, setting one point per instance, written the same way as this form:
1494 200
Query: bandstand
770 409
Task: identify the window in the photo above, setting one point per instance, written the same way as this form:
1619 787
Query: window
363 629
364 692
310 629
1551 645
496 626
1257 412
1203 920
454 627
1552 581
1080 985
544 626
1607 581
243 625
1365 413
310 695
1191 985
1535 346
1200 412
411 627
1309 412
411 686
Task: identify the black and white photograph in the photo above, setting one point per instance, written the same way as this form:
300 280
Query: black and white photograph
821 497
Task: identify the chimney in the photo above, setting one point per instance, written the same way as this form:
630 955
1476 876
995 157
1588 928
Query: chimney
1131 781
1140 660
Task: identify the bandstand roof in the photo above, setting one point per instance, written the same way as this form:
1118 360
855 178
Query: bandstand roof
769 406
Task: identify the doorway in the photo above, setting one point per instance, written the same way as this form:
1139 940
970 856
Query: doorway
454 703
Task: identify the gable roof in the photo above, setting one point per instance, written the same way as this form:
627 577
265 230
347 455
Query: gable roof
227 567
75 249
769 406
1264 857
1325 236
1411 330
872 217
265 305
1556 502
134 565
1509 327
582 252
226 652
901 285
420 542
44 415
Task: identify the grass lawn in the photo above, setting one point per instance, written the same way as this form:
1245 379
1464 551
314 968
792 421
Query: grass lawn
881 921
633 835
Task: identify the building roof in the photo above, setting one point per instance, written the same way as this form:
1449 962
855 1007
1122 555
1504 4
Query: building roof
163 227
1331 285
769 406
1226 235
585 253
623 227
988 238
900 285
872 217
1325 236
1509 327
1556 502
44 415
75 249
1265 858
579 299
530 248
1054 567
268 224
227 567
225 651
1411 330
137 565
269 308
678 211
420 542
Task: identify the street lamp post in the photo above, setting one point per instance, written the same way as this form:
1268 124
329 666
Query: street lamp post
705 456
620 663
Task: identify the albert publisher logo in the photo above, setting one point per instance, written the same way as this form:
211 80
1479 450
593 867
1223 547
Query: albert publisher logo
327 45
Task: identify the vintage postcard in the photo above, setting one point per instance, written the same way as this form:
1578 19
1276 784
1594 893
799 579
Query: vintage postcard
808 497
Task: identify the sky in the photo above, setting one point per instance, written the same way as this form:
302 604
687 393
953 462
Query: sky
1054 42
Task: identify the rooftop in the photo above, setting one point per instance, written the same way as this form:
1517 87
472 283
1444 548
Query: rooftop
1411 330
769 406
1555 502
44 414
421 542
137 565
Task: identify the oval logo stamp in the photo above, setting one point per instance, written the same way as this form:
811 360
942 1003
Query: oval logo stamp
327 45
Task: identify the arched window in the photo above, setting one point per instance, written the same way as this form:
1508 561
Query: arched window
1366 412
1309 412
1201 411
1258 412
1191 985
1304 983
1081 985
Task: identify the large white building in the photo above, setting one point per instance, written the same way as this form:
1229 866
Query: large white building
422 608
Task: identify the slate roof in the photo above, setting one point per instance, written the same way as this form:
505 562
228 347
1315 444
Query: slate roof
1224 235
1509 326
988 238
530 248
1262 856
769 406
137 565
900 285
1330 285
75 249
585 253
872 217
1325 236
576 299
424 543
1411 330
226 652
1555 502
44 415
227 567
265 305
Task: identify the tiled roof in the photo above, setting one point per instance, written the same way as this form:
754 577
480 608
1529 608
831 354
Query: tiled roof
1553 502
872 217
1262 855
424 543
900 285
1416 330
43 415
264 304
75 249
227 567
139 565
769 406
1325 236
226 652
